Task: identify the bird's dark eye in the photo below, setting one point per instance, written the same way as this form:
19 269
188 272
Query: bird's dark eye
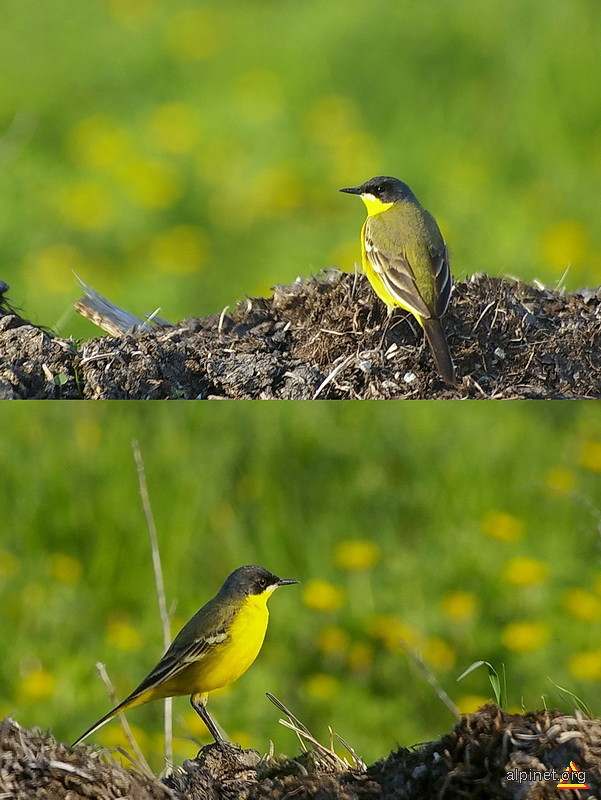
262 582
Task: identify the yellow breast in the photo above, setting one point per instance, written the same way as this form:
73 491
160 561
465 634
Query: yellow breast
228 661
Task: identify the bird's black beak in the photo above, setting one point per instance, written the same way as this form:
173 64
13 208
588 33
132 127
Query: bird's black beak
352 190
286 581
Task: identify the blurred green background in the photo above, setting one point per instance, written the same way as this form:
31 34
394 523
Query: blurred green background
183 154
468 535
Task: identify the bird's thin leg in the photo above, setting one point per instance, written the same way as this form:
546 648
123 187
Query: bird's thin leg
198 703
386 327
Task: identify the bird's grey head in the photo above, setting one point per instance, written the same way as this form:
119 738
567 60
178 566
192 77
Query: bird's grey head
252 580
384 188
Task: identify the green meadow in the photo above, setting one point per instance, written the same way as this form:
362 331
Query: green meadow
185 154
463 532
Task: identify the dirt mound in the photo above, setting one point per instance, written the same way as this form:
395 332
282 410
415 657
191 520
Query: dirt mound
488 755
326 337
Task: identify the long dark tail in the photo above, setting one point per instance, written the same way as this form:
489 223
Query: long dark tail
440 349
132 701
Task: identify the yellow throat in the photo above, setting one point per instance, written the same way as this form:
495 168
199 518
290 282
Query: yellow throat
373 205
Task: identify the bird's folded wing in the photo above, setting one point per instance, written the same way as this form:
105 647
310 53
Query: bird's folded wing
397 276
178 658
444 280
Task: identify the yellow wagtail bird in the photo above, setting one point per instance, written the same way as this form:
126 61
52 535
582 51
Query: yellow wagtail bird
213 649
406 261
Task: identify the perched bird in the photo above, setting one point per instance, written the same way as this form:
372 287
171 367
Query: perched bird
213 649
406 261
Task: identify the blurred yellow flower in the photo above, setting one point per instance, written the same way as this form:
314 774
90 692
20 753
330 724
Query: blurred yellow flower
243 738
565 243
345 256
469 703
151 183
438 654
582 604
332 639
360 657
525 636
51 267
87 433
120 634
560 479
64 568
174 127
319 595
356 153
191 34
97 142
391 631
131 13
9 564
112 735
36 684
459 605
179 250
524 571
355 554
274 191
590 457
502 526
322 686
586 665
86 205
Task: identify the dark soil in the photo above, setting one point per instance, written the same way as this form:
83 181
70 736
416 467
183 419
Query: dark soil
326 337
488 755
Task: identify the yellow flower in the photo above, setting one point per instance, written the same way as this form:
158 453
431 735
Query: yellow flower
319 595
131 13
86 205
459 605
438 654
179 250
36 684
360 657
9 564
356 554
51 266
524 636
174 127
98 142
582 604
565 243
523 571
502 526
322 686
113 736
391 631
332 639
191 34
586 665
87 433
122 635
151 183
560 479
469 703
590 457
64 569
